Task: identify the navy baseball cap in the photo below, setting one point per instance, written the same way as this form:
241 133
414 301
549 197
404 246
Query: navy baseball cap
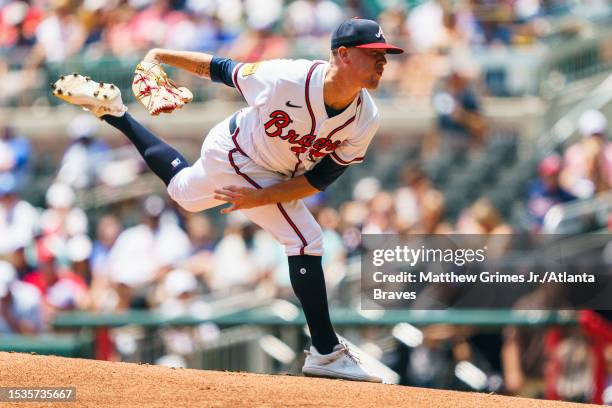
362 33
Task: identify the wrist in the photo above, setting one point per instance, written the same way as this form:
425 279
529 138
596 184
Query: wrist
262 197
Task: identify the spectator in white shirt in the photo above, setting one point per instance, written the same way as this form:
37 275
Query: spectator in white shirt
85 156
20 304
18 218
144 252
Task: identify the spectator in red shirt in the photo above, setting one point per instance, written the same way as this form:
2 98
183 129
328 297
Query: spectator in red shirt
62 289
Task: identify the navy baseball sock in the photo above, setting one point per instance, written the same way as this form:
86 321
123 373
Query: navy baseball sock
306 273
161 158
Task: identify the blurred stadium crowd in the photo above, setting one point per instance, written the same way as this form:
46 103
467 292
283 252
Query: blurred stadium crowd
58 254
57 259
441 35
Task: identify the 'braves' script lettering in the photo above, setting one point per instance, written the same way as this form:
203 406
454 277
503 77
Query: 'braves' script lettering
280 120
316 148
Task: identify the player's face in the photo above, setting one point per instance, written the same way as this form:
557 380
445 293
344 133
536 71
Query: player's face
367 66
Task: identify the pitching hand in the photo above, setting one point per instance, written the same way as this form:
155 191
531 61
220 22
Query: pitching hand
240 198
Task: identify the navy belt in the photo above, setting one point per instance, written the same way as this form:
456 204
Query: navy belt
232 123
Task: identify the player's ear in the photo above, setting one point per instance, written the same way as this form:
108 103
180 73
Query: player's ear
342 53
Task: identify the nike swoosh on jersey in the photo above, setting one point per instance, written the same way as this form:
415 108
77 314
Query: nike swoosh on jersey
290 105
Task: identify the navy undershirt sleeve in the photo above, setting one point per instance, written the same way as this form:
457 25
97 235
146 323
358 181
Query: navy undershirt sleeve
324 173
331 112
221 70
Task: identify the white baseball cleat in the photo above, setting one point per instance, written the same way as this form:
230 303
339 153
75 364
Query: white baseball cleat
97 97
340 363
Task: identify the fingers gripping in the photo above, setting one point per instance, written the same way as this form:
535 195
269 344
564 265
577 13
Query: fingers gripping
240 198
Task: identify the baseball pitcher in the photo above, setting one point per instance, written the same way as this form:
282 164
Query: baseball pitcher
306 121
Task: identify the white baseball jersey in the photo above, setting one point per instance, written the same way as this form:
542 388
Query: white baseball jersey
283 133
286 128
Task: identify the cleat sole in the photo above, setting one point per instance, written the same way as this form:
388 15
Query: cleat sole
84 91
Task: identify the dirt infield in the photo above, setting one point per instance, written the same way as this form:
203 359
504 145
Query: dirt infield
103 384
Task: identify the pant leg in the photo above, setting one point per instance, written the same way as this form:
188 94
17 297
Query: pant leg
291 223
192 189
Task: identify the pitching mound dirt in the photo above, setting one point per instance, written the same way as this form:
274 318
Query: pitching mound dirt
103 384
